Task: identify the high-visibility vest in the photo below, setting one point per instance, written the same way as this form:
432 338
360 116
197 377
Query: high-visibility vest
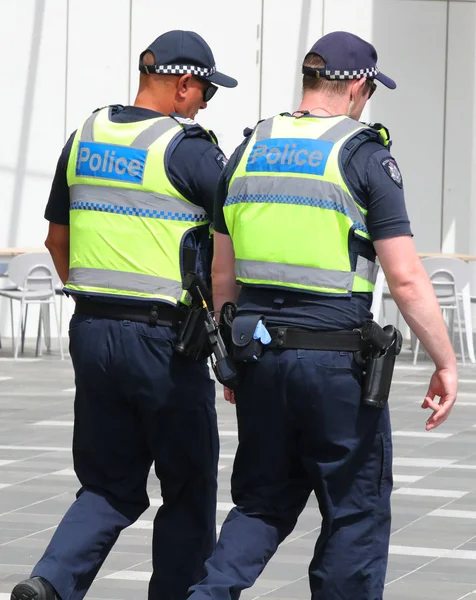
291 214
128 223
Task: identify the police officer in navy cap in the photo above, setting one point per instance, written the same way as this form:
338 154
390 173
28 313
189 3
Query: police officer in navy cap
303 208
129 214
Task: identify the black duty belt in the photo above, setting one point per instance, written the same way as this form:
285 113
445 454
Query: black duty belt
157 313
306 339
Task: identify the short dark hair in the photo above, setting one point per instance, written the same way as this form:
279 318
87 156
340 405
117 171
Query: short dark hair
320 84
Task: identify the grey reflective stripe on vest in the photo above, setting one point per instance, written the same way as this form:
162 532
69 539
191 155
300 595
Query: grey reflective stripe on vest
146 204
87 132
146 138
264 130
295 190
299 275
366 269
122 280
337 132
340 130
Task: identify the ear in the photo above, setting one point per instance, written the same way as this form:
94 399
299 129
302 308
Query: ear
357 87
183 84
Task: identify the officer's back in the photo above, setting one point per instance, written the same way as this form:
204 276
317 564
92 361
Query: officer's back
129 216
304 206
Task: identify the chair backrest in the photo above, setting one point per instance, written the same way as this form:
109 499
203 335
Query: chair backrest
446 267
33 271
445 287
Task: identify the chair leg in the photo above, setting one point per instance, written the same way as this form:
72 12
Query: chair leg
63 309
45 307
458 316
468 322
23 330
12 324
415 350
38 334
60 339
20 326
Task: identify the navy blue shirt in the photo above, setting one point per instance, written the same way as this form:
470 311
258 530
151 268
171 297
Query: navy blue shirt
194 167
373 176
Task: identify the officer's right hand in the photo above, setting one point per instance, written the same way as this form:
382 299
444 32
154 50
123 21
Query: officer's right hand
229 395
443 383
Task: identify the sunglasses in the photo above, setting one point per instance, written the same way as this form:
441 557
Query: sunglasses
373 86
209 90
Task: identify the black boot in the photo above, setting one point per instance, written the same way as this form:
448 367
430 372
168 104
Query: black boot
35 588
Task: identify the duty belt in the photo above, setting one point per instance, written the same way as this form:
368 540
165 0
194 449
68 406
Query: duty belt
157 313
306 339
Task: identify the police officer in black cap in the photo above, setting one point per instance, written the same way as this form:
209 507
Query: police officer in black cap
303 208
129 215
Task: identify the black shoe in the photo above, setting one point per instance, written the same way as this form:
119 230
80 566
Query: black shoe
35 588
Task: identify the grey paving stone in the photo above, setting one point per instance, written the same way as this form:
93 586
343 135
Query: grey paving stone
36 496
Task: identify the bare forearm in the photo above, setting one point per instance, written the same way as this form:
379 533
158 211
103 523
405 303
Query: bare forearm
225 289
60 256
417 302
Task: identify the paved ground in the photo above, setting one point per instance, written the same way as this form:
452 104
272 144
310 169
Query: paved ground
433 546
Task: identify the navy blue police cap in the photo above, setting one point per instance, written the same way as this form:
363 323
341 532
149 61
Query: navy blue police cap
180 52
347 56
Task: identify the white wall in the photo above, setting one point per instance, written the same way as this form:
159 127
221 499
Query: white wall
459 141
410 37
63 58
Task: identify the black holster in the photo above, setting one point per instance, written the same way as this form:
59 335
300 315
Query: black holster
381 348
192 336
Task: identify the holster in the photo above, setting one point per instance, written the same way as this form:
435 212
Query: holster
192 337
245 349
382 346
227 316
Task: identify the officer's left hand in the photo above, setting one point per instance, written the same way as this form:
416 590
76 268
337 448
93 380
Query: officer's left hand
229 395
443 383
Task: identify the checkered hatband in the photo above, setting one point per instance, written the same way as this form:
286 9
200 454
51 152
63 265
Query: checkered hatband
184 69
357 74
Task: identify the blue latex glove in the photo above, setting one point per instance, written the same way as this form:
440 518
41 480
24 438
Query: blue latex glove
262 334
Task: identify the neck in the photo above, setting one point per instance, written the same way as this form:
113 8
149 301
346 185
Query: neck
320 105
153 101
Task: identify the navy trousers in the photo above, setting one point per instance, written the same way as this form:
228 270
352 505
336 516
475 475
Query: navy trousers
302 428
137 402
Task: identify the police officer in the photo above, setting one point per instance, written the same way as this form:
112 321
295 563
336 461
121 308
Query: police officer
129 214
304 206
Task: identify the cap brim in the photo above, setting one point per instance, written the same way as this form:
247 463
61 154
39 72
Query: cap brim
386 81
222 79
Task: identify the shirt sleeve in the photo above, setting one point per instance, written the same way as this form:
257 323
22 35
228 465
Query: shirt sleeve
195 166
57 208
375 178
219 223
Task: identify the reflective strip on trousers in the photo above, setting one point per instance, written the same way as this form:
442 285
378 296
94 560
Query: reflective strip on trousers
134 202
144 139
307 276
123 280
296 190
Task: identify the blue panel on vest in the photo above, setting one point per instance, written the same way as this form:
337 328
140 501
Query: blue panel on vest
289 155
108 161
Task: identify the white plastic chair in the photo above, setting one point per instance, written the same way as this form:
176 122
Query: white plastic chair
451 281
35 278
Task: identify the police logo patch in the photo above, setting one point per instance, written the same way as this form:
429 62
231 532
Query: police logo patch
221 160
390 167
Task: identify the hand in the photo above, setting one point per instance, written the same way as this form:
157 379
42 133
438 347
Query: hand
443 383
229 395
